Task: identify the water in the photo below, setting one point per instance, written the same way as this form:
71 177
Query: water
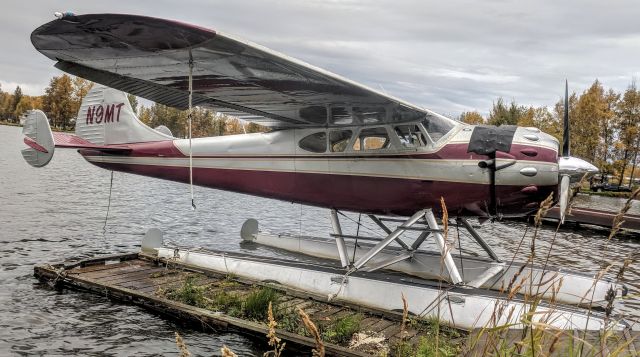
57 213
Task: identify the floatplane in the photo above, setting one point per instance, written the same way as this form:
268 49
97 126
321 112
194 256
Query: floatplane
334 144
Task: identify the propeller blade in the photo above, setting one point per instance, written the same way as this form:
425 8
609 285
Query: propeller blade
565 185
565 134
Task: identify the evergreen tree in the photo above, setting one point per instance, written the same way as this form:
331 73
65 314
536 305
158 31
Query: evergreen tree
501 114
17 97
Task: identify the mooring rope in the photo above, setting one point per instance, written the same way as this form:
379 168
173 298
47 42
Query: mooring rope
106 217
190 116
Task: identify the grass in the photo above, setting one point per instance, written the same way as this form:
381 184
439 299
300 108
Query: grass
256 304
189 293
342 329
220 297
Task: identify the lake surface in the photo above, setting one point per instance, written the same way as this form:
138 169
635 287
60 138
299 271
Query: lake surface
57 213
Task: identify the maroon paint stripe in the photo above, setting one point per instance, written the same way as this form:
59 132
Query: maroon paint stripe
35 145
365 194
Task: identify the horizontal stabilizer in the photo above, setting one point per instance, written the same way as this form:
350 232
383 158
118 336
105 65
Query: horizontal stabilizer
70 141
38 136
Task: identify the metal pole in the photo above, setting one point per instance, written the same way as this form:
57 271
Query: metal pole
390 238
342 247
190 116
478 238
444 248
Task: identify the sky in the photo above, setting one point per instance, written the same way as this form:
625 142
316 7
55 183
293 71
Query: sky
448 56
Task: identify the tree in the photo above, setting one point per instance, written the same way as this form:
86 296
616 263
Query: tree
133 100
473 118
59 103
81 87
501 114
17 97
629 130
255 128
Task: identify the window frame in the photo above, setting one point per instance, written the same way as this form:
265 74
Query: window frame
428 141
392 145
326 143
349 141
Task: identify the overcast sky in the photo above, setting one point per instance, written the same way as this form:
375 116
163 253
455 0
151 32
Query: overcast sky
449 56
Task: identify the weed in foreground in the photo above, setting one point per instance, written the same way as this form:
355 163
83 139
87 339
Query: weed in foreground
342 329
182 347
189 293
274 341
256 304
313 331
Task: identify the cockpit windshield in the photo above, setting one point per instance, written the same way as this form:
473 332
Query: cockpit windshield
438 126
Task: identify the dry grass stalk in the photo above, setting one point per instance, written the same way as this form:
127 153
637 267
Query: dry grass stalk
226 352
405 316
445 217
542 211
313 330
184 351
274 341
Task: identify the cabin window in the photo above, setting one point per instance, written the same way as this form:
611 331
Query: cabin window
314 143
341 116
410 136
437 127
369 115
372 139
339 139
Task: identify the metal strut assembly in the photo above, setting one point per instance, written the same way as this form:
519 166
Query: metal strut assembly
429 225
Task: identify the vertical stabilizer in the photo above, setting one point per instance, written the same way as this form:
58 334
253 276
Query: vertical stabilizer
106 118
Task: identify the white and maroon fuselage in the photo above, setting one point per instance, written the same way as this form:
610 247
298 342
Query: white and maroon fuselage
396 180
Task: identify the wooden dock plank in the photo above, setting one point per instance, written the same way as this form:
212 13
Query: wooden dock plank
130 276
99 267
117 271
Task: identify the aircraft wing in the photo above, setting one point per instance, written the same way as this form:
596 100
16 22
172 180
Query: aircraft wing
149 57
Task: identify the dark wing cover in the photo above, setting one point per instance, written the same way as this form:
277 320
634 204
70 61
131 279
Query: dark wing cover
149 57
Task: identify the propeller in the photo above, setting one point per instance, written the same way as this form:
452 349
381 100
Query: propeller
571 169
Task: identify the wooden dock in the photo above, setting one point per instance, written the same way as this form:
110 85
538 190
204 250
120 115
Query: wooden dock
141 279
144 280
595 217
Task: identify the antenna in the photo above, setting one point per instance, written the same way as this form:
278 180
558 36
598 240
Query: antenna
565 135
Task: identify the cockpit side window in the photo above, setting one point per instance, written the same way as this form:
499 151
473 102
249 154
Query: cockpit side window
372 139
410 136
339 139
437 127
316 142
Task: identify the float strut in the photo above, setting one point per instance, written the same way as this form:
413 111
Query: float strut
478 238
342 247
444 248
390 238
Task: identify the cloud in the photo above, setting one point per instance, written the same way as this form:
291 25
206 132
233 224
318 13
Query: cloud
447 56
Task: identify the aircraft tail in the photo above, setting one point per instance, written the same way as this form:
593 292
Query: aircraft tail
39 138
106 122
106 118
